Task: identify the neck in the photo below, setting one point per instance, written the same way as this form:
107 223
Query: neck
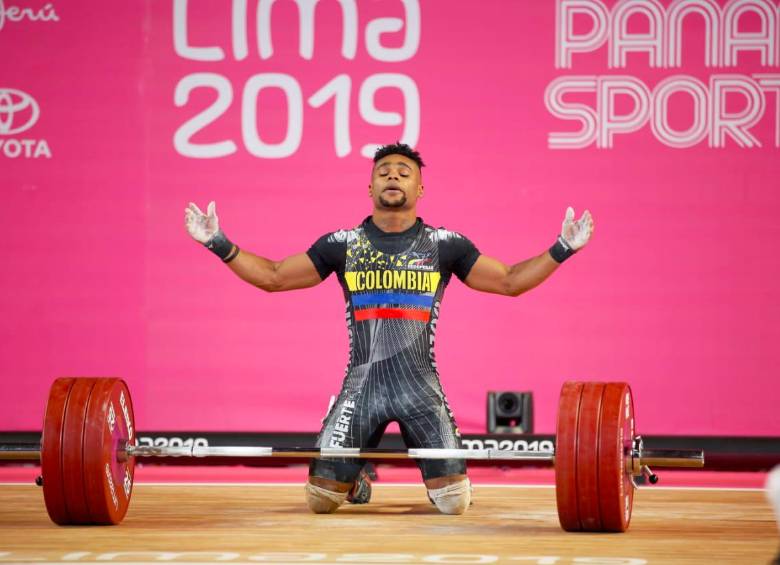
394 220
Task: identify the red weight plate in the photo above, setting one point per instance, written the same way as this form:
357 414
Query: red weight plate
51 451
110 426
73 451
588 457
566 456
617 434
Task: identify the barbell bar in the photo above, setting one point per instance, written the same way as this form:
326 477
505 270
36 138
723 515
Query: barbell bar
87 454
690 458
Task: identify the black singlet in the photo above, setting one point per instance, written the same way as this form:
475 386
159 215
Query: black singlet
393 285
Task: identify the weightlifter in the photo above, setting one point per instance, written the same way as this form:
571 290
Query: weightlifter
394 269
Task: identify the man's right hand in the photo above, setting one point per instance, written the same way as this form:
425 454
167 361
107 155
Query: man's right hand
293 272
202 227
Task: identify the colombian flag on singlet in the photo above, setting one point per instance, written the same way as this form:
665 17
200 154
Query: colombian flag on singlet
399 286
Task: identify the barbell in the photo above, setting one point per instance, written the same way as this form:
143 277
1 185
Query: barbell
88 449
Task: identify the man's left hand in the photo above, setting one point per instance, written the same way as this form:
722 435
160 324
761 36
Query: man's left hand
577 233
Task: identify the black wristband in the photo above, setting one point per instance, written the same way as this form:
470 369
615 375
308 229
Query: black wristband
222 247
233 254
561 250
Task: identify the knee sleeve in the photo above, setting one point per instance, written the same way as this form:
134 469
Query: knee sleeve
323 501
452 499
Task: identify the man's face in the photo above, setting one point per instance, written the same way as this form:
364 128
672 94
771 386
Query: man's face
396 183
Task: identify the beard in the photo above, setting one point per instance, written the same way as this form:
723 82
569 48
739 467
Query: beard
394 204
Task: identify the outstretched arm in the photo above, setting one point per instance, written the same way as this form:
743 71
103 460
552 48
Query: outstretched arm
296 271
491 275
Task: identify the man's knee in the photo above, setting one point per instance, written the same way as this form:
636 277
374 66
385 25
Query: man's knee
323 500
453 498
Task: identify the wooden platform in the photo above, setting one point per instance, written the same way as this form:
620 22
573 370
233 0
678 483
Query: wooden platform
270 523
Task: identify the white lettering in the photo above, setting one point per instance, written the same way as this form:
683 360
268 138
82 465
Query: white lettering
181 42
238 28
608 88
341 428
568 42
111 417
712 116
306 28
42 149
678 10
764 41
338 89
126 413
239 31
252 111
735 124
473 444
372 115
432 337
16 14
181 139
292 140
624 42
660 122
127 484
27 148
12 148
111 487
771 83
173 441
584 114
411 43
723 40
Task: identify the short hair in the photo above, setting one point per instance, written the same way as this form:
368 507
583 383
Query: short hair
398 148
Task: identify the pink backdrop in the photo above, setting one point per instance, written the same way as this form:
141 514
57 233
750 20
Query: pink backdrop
677 293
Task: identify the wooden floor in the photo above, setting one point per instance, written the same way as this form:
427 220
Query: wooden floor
262 523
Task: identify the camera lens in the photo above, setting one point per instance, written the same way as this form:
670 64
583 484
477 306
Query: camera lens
507 403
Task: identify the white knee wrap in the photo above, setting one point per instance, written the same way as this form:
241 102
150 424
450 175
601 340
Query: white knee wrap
773 492
452 499
323 501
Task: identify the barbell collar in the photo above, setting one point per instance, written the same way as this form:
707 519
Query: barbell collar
693 459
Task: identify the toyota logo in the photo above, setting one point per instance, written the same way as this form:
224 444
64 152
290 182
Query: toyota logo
18 111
